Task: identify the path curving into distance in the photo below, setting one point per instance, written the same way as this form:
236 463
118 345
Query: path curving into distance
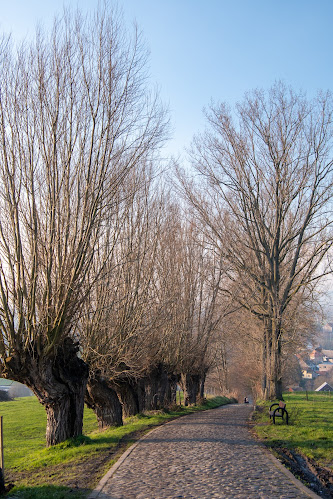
204 455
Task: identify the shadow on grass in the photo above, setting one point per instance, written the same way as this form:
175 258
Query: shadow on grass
302 445
86 441
46 492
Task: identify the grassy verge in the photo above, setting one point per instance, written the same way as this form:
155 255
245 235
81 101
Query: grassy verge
59 472
310 429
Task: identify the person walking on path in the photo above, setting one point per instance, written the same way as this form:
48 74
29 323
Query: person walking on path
208 454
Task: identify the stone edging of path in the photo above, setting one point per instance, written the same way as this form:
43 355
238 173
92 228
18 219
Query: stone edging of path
95 493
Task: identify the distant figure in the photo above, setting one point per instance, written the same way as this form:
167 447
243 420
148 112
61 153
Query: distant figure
246 400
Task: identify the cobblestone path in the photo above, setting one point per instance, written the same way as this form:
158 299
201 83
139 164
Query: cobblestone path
208 454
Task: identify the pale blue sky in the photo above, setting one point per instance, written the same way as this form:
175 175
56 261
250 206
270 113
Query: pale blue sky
213 49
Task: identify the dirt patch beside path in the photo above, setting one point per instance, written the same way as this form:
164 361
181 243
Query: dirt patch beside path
315 477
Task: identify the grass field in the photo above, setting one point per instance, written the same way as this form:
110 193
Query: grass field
32 466
310 429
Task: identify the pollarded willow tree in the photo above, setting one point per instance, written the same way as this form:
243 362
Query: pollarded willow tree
76 115
266 174
118 332
189 276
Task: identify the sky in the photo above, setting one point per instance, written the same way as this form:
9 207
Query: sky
204 51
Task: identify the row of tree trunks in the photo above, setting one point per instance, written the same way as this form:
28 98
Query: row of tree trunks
158 389
62 386
153 391
124 397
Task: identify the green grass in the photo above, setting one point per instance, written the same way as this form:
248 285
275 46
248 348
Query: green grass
46 492
24 423
310 429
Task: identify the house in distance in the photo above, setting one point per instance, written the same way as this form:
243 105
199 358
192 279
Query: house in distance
325 387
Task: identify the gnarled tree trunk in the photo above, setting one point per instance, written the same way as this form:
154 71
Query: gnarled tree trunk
156 389
59 381
104 401
127 391
202 386
155 385
171 392
190 384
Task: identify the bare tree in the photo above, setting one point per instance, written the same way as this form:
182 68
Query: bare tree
239 362
189 278
265 191
76 116
118 332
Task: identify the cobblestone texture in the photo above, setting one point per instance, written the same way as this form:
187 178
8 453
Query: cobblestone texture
209 454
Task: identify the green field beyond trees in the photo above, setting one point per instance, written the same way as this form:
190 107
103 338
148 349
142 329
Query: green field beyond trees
30 464
310 429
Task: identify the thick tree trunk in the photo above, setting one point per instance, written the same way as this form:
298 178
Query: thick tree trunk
64 415
190 384
162 387
264 365
59 382
222 369
202 386
140 391
276 380
156 384
268 385
103 400
127 391
273 362
171 393
151 395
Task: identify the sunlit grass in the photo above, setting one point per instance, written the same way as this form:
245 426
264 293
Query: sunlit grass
24 423
24 433
311 426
